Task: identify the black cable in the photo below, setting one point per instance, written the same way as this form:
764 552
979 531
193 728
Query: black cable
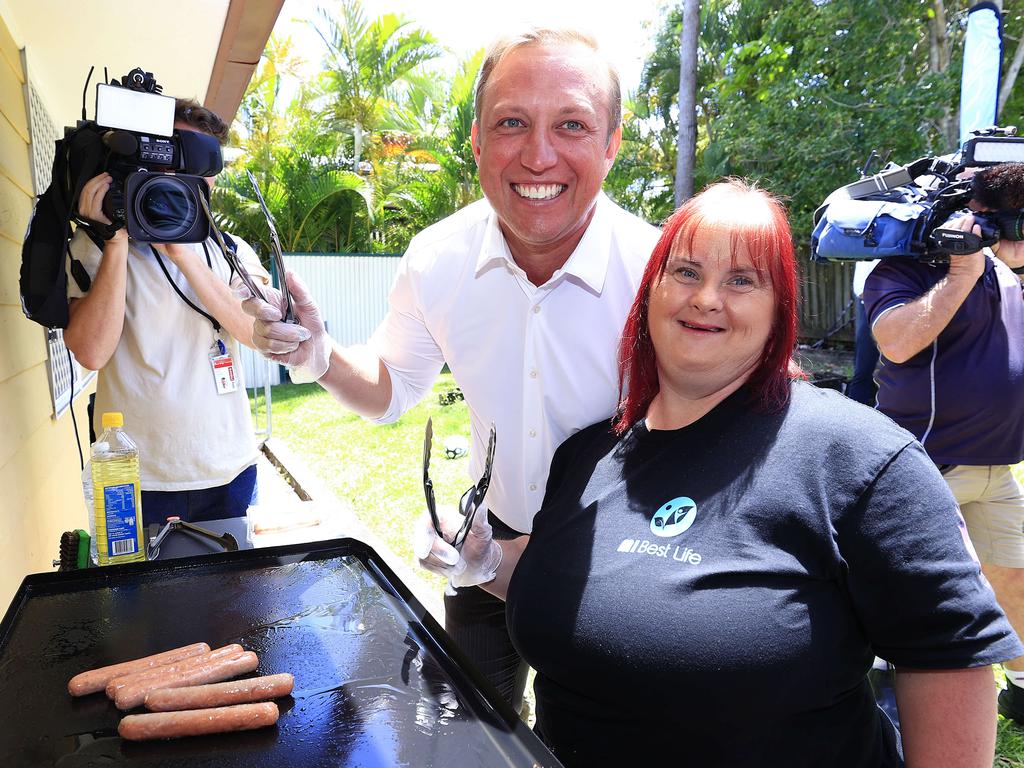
177 290
85 90
71 406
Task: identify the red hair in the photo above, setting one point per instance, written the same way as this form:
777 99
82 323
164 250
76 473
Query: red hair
755 220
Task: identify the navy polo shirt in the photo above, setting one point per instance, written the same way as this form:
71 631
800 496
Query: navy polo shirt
962 395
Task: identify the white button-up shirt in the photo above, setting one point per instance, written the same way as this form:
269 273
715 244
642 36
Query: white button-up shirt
537 361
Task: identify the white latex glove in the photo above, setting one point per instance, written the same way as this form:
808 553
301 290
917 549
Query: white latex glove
305 348
479 559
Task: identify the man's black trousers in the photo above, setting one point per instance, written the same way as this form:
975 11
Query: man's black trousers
475 619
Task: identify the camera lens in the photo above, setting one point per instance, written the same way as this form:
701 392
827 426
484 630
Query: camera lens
166 207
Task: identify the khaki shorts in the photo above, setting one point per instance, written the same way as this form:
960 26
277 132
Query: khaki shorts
992 502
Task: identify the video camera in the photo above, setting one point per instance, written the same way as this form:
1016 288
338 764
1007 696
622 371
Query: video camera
157 170
901 210
158 191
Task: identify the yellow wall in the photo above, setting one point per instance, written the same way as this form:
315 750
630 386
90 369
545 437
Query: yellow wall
40 486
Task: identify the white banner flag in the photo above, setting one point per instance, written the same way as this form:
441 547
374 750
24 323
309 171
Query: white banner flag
979 84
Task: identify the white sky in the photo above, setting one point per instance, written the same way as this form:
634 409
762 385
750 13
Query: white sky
625 33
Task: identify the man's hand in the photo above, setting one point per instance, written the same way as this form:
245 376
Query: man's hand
968 267
178 253
903 331
304 347
90 204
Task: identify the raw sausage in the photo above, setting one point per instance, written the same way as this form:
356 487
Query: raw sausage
197 722
219 669
96 679
115 685
214 671
220 694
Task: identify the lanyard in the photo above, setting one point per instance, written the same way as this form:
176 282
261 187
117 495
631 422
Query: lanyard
177 290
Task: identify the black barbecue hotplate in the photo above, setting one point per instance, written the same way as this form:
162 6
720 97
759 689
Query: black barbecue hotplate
377 682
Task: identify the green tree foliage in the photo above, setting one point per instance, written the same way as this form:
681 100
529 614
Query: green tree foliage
796 94
316 204
371 152
437 174
640 181
367 64
1013 39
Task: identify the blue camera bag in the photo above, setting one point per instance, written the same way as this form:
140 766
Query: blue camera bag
856 230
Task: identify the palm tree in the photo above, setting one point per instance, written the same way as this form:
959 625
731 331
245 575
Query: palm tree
366 65
316 205
439 175
316 208
260 124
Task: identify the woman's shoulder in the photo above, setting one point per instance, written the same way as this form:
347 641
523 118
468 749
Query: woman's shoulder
828 415
599 435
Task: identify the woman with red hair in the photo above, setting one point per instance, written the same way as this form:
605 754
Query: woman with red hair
710 576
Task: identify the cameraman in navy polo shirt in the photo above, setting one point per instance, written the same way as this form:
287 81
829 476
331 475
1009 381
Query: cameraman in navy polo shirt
952 373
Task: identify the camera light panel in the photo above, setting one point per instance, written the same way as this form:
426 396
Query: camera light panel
984 150
137 111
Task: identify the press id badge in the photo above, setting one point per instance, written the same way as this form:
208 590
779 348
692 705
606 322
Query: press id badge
223 369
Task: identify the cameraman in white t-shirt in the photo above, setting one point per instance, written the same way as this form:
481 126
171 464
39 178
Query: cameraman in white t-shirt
162 326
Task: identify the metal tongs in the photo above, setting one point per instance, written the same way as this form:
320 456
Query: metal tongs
174 523
471 499
229 253
275 242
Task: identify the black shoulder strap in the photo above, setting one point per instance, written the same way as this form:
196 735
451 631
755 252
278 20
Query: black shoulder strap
229 241
81 276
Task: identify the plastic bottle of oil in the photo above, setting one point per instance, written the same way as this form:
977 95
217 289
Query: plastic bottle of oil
117 498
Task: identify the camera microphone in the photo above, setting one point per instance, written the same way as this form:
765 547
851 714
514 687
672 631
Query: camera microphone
121 142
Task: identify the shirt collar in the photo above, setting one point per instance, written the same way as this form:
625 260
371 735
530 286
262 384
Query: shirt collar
588 263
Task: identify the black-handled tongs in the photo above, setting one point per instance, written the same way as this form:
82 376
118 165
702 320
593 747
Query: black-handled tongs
471 499
275 242
226 540
229 253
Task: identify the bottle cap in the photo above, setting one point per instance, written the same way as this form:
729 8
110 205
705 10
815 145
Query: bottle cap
114 419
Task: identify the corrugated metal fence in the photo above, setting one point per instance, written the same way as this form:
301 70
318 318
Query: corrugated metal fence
351 290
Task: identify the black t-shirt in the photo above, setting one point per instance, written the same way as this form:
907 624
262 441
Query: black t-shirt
715 595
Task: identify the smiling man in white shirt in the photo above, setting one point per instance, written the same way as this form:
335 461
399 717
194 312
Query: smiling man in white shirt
523 295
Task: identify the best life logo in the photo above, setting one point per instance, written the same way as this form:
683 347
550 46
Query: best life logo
670 520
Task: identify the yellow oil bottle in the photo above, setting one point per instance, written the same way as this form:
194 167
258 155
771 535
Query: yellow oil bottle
116 494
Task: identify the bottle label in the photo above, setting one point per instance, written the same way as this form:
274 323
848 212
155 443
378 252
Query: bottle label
122 534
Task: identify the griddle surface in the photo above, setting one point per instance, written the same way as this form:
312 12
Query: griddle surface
376 682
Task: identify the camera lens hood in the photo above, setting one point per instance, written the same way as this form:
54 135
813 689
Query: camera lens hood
165 207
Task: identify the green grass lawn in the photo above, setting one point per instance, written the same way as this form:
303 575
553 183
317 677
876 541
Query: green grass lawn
378 471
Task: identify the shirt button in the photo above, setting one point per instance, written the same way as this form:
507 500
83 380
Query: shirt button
533 373
536 309
533 486
533 433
